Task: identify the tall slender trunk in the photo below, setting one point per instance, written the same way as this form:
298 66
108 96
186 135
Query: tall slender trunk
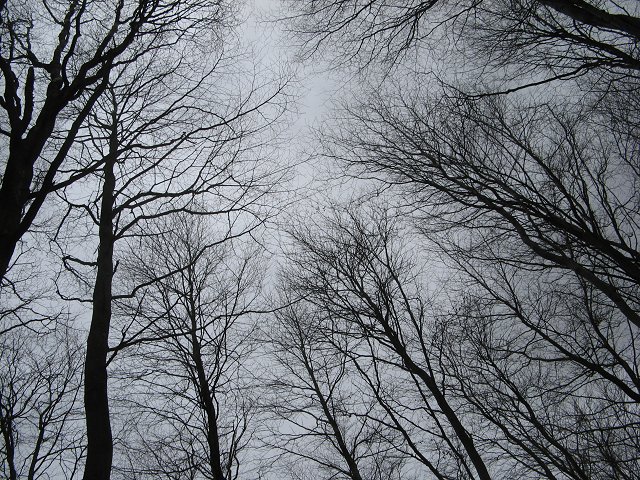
206 399
461 433
347 455
96 400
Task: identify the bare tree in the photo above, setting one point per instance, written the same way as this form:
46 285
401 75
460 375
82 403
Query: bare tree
516 383
351 272
57 58
320 414
162 149
189 335
530 198
546 40
40 383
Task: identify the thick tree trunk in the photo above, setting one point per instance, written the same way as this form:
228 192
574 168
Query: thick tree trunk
25 147
589 14
13 198
18 174
96 400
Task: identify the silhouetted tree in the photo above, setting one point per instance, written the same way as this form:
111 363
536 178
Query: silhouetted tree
40 384
188 334
546 39
515 384
164 146
56 61
528 196
320 414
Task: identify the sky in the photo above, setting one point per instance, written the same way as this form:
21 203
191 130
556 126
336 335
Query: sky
314 90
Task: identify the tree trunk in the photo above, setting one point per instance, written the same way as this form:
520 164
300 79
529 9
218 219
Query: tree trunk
207 402
461 433
96 400
18 174
354 471
6 425
14 195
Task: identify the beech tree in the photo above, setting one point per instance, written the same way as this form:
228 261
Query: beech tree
511 166
466 385
40 384
189 338
162 149
352 273
56 61
320 415
527 194
547 39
